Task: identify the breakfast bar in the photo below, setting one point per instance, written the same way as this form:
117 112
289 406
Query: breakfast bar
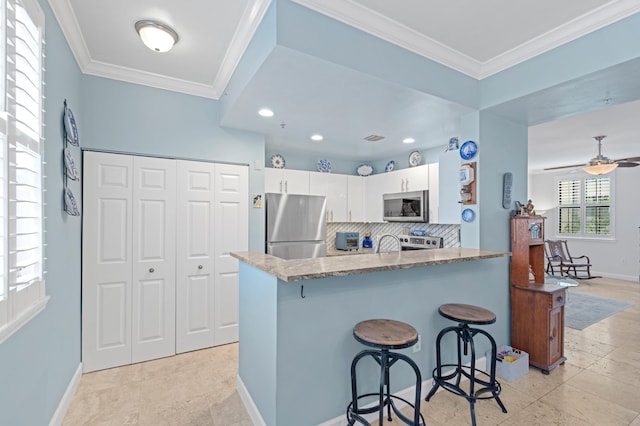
297 317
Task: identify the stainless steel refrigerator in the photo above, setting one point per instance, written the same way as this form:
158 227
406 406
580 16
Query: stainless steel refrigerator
296 227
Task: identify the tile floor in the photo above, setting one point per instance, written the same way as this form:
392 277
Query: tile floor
598 385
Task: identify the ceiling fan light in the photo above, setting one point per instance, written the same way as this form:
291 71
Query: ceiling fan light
156 36
600 168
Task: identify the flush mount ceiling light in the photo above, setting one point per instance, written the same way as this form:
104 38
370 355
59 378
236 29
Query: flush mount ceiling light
600 165
156 36
265 112
316 137
408 140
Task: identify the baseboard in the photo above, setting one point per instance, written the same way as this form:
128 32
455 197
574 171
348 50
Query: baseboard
63 406
408 394
617 276
249 405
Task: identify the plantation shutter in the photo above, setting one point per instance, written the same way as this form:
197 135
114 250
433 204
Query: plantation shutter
569 206
22 189
597 197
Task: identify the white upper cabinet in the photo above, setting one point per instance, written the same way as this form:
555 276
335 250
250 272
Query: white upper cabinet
355 199
286 181
334 187
434 193
449 187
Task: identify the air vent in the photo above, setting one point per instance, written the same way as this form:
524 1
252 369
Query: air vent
374 138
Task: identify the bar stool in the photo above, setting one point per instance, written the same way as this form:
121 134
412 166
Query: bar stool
489 387
384 334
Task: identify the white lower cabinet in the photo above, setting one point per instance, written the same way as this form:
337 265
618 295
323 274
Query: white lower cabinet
157 278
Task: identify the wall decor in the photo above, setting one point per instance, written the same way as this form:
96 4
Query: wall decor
70 171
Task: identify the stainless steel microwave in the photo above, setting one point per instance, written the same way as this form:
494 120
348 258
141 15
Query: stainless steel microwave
406 206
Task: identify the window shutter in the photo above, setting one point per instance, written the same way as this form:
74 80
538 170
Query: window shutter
569 207
597 197
22 173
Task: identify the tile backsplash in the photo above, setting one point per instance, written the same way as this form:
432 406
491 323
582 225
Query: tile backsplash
450 233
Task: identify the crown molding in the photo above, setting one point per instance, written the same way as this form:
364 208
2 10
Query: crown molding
247 27
130 75
589 22
372 22
68 23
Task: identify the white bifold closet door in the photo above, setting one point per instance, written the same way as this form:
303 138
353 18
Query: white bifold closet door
157 276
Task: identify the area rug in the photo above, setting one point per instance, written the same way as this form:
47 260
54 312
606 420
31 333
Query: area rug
582 310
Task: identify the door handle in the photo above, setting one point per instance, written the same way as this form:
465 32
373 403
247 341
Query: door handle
280 186
152 270
402 185
407 184
286 189
349 215
331 215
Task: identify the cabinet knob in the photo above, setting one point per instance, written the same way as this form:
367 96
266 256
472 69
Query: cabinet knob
200 266
559 298
152 270
286 189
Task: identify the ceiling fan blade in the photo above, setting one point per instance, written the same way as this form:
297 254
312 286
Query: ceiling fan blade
627 164
564 167
628 159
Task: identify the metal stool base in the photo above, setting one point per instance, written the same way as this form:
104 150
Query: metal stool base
489 389
385 360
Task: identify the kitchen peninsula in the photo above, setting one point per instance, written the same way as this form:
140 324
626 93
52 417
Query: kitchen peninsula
297 316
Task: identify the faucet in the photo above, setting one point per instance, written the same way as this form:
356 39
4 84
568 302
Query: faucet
388 235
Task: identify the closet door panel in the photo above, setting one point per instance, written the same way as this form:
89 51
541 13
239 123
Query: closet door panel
106 260
195 265
154 195
231 234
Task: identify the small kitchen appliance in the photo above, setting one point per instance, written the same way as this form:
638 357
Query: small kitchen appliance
347 240
417 242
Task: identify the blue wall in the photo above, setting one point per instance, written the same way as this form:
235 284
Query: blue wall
38 361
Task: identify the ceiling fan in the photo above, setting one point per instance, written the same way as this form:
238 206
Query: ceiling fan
600 164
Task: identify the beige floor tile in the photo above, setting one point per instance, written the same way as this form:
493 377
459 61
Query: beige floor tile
598 385
591 409
608 389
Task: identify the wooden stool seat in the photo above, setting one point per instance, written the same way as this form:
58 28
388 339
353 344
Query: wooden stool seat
467 314
385 333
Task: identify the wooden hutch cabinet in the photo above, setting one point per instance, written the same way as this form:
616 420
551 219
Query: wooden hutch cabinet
537 309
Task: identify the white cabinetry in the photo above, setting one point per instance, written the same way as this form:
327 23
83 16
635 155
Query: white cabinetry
334 187
155 267
355 199
434 193
286 181
449 187
411 179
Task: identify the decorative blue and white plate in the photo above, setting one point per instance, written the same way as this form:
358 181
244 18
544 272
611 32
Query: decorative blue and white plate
70 165
324 166
364 170
468 150
70 127
277 161
390 166
70 205
415 158
468 215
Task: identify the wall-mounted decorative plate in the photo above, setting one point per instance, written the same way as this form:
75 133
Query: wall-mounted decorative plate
364 169
70 165
70 126
70 205
277 161
324 166
390 166
468 150
415 158
468 215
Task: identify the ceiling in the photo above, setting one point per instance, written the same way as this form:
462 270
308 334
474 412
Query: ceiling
313 96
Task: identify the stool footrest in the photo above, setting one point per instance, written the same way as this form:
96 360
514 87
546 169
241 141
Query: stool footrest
388 401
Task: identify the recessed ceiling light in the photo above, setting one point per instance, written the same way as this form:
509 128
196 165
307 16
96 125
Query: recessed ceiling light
317 137
266 112
408 140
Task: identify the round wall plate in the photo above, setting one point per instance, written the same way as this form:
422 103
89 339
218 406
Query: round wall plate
415 158
468 150
468 215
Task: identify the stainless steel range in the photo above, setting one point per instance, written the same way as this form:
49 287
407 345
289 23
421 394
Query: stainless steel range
415 242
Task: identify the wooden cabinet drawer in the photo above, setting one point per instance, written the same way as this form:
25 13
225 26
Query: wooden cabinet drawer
558 299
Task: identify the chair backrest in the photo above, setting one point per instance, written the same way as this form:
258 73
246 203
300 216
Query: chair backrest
557 250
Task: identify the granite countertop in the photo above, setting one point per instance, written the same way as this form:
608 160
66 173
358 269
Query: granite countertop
335 266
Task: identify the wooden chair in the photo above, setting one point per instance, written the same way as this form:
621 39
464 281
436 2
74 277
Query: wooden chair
558 256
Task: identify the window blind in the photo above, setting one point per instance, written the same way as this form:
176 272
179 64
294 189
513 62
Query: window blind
585 206
22 168
597 211
569 207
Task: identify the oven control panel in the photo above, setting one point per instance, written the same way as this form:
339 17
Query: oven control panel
413 242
